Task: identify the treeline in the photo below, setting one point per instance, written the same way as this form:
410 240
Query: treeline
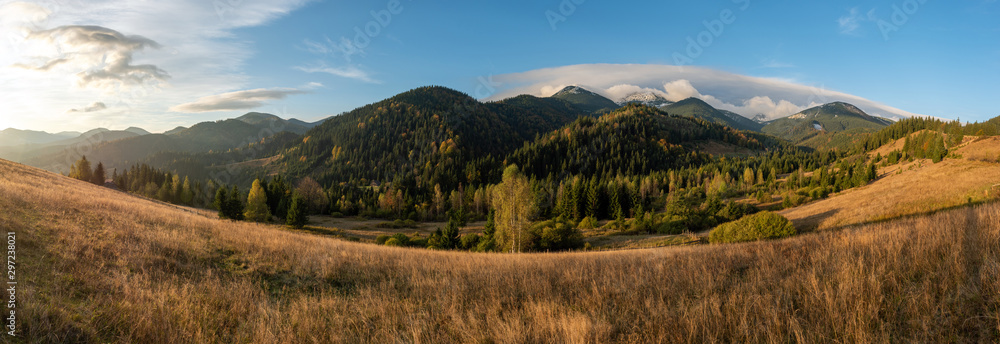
954 130
266 200
164 186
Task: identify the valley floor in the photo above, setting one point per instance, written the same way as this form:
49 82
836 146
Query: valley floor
98 265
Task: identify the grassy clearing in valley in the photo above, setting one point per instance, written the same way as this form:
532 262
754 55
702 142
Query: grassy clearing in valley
101 266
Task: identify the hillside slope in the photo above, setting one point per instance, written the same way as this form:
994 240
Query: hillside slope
911 188
97 265
635 139
425 136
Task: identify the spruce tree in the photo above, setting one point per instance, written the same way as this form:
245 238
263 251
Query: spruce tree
297 213
449 237
592 198
99 175
235 208
222 203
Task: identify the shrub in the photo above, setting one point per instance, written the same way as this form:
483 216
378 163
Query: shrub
672 224
791 199
588 222
393 242
470 241
763 225
381 239
400 238
556 235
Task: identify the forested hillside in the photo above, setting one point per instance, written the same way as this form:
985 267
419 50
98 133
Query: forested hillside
834 125
636 139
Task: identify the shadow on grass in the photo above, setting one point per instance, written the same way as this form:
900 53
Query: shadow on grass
810 223
921 214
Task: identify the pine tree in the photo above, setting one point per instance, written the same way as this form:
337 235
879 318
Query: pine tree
99 175
297 217
257 210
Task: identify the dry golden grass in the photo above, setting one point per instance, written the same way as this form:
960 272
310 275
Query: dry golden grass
921 187
101 266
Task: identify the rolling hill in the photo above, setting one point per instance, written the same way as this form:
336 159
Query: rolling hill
635 139
103 266
911 188
832 118
694 107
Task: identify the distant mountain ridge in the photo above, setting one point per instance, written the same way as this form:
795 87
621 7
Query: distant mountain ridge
17 137
834 117
694 107
123 147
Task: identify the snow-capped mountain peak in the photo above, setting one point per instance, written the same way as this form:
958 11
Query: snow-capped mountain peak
646 98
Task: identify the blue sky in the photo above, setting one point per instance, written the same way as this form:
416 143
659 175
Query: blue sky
222 58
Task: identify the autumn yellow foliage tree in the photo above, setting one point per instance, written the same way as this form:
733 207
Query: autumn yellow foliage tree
257 209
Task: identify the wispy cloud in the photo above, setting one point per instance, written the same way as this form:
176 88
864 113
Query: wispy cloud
95 106
350 72
101 57
850 23
745 95
239 100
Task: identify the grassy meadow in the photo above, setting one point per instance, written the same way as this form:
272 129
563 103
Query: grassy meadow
97 265
910 188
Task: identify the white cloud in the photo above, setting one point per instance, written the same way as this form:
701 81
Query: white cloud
350 72
745 95
239 100
102 56
95 106
58 42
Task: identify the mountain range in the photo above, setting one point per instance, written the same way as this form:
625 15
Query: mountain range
426 134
